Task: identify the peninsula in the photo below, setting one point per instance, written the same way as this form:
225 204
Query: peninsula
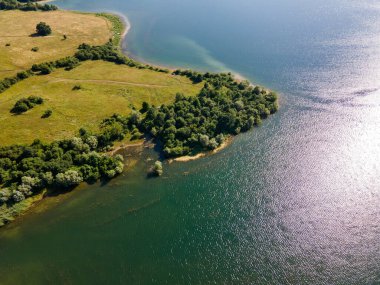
68 95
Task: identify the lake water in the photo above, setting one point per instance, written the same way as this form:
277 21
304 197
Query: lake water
296 201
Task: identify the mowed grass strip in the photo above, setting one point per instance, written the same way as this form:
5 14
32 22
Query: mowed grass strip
105 89
79 28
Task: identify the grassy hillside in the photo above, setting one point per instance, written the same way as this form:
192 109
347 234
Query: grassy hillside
79 28
106 88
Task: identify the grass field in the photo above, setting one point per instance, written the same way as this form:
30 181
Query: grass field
78 28
106 88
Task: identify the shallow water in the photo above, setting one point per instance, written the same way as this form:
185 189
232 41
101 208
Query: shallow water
296 201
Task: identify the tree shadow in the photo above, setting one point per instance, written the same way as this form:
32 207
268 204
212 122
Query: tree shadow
37 35
56 191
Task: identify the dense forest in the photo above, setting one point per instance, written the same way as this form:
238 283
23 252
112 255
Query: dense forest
26 170
223 107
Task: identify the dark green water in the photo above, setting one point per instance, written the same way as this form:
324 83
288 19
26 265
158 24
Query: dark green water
296 201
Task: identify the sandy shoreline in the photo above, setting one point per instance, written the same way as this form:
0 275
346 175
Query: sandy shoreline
127 28
188 158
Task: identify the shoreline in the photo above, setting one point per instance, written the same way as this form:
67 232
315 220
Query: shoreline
123 43
126 27
187 158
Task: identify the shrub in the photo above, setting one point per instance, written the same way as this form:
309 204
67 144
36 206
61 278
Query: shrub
23 75
43 68
47 114
157 168
35 49
43 29
68 63
69 178
18 196
20 107
25 104
204 140
5 195
77 87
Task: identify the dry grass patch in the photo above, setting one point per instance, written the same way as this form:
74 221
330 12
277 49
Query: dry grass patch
78 28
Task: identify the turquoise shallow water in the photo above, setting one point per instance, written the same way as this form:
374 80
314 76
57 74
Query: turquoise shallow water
296 201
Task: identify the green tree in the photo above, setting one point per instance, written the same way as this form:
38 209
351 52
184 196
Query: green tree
47 114
43 29
157 168
69 178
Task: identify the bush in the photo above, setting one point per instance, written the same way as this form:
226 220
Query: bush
47 114
157 169
20 107
26 104
77 87
8 82
23 75
43 68
35 49
69 178
43 29
68 63
5 195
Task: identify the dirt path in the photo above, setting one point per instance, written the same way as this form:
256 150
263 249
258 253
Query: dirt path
101 81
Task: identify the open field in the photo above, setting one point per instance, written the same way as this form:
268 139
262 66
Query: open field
106 88
79 28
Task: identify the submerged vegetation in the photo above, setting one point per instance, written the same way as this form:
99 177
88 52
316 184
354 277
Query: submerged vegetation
190 124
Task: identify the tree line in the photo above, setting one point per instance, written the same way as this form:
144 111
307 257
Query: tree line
25 5
26 170
107 52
